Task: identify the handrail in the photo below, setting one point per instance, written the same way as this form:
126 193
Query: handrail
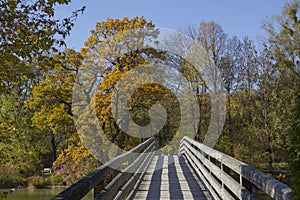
219 173
123 183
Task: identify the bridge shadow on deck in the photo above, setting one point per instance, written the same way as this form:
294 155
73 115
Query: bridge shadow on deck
182 183
194 186
174 185
154 188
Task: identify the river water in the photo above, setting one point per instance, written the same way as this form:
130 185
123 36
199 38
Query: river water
37 194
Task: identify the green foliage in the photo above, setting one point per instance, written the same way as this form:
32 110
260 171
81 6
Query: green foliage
12 179
51 105
3 195
276 166
29 34
28 39
294 149
39 181
46 181
285 44
17 153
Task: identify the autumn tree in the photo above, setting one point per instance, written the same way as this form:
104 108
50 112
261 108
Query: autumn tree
51 105
285 42
267 114
55 134
225 54
114 41
243 99
29 33
117 48
294 149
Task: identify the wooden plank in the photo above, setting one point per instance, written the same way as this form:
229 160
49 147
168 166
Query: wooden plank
112 189
79 189
134 181
232 163
227 180
269 185
203 174
214 187
140 189
135 165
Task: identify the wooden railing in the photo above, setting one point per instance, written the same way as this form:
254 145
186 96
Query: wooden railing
109 183
228 178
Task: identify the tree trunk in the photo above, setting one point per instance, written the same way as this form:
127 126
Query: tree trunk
53 147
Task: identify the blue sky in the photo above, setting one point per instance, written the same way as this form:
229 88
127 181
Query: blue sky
237 17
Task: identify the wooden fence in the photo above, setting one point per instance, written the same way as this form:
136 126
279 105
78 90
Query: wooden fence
228 178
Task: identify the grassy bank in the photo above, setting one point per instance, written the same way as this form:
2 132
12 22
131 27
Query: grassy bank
33 181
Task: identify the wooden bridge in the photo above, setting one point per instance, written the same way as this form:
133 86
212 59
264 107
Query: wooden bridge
198 172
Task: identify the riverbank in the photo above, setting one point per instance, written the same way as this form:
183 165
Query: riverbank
43 181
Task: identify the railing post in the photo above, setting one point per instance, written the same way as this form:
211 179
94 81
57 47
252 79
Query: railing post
98 188
222 182
245 183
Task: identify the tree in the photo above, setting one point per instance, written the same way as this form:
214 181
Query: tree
117 47
51 105
225 54
294 150
29 33
243 100
269 116
17 154
111 51
285 42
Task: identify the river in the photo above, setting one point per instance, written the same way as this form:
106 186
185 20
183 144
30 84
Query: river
36 194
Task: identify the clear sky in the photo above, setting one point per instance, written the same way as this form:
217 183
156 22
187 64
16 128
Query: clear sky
237 17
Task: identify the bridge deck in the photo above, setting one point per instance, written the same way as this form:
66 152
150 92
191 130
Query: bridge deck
170 177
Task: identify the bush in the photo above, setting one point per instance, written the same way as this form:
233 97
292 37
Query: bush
57 178
12 181
39 181
46 181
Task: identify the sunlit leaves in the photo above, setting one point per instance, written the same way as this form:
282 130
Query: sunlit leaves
51 102
285 44
28 34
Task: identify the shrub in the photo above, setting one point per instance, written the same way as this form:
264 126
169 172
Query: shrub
12 181
46 181
57 178
39 181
